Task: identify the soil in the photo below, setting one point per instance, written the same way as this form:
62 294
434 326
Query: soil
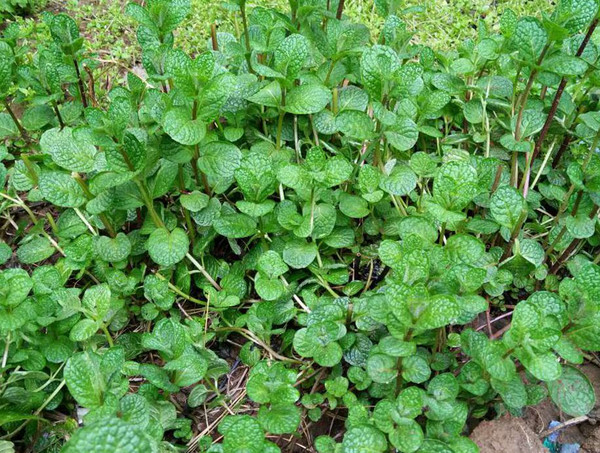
521 435
507 435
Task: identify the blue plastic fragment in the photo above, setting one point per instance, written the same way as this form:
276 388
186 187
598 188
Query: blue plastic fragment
551 442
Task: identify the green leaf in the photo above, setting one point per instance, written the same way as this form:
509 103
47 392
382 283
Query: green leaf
378 64
403 134
400 182
353 206
72 149
97 299
442 309
7 66
36 250
255 176
572 392
168 248
268 288
544 366
279 418
110 435
529 38
299 254
329 355
355 124
455 185
197 396
5 252
397 348
181 127
511 144
271 264
61 189
219 161
84 379
194 201
8 128
513 392
507 206
6 446
574 15
235 225
565 65
291 55
113 249
443 387
464 248
269 95
581 226
242 433
532 122
382 368
415 369
408 436
307 99
83 330
364 439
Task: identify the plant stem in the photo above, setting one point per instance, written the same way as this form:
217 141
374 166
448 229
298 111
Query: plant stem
149 203
334 101
521 104
564 228
16 121
186 214
330 70
91 86
340 10
108 336
198 175
30 168
203 271
213 37
562 208
563 147
80 83
569 250
513 236
103 218
177 291
61 123
280 121
559 93
246 35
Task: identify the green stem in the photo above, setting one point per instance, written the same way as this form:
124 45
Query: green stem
177 291
108 336
186 214
513 236
149 203
30 169
16 120
246 35
103 218
520 105
331 67
280 120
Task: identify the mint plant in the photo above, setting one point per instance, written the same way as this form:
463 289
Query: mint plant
352 218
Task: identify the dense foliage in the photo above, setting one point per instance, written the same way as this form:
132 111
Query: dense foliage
10 8
350 211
